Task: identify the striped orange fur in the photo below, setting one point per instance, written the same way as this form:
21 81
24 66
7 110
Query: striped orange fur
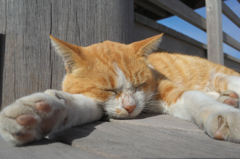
91 70
187 73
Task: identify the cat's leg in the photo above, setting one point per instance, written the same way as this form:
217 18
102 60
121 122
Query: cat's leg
33 117
218 120
233 83
213 95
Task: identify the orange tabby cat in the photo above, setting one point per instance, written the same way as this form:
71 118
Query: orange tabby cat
121 81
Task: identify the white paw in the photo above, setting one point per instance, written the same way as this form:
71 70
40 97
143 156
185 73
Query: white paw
224 126
31 118
229 97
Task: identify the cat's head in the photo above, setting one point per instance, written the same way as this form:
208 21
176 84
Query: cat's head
115 75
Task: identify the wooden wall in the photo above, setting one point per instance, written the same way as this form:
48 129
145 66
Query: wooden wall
30 64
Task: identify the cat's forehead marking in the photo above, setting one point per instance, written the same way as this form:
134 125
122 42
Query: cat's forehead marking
122 82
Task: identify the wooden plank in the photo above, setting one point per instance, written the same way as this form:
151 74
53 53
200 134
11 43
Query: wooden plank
12 46
151 7
230 14
30 63
160 136
2 16
27 52
181 10
43 149
231 41
153 24
141 19
214 31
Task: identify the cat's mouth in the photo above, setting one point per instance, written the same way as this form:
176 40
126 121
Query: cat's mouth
126 114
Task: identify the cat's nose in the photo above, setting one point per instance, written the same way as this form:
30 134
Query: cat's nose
130 109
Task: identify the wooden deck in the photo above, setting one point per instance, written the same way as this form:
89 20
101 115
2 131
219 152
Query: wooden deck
160 136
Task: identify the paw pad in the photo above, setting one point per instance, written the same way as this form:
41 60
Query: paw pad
26 120
43 106
31 118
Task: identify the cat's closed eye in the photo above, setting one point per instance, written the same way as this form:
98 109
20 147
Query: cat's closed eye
111 90
140 86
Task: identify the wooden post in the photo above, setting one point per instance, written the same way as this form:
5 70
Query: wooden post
214 31
31 65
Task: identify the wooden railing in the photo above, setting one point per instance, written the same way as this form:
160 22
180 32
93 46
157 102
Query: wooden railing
212 25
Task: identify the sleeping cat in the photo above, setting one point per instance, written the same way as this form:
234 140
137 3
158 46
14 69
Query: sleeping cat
121 81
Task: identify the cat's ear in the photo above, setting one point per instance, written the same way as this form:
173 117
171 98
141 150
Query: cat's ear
146 47
71 54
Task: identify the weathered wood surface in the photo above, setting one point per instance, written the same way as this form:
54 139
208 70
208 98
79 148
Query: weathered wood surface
43 149
158 136
151 7
230 14
214 31
181 10
148 136
30 63
3 5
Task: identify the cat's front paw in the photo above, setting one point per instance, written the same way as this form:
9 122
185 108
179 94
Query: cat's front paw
224 126
229 97
30 118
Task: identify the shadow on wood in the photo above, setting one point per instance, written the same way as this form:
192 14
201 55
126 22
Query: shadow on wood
43 141
2 51
77 132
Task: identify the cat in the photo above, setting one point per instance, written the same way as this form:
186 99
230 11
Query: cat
121 81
